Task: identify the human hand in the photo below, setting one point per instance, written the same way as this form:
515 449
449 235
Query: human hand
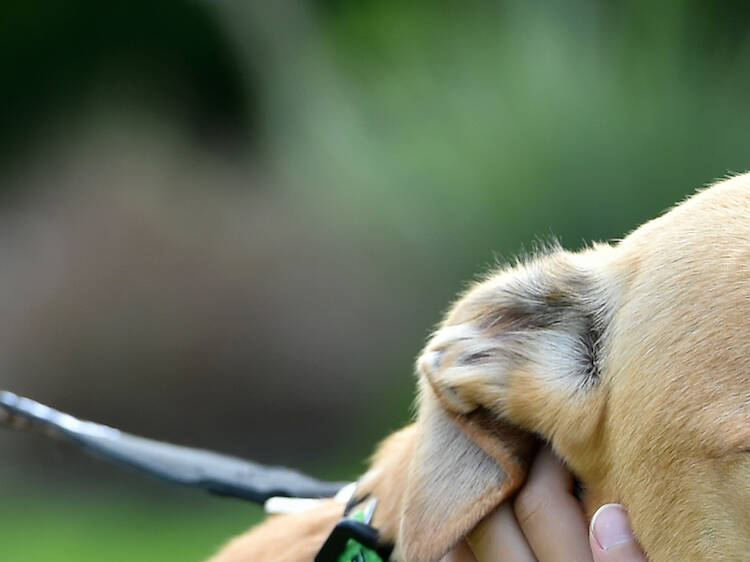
546 522
611 537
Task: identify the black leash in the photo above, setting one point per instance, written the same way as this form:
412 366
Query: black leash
219 474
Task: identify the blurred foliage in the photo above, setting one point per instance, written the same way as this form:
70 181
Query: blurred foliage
232 224
55 57
497 122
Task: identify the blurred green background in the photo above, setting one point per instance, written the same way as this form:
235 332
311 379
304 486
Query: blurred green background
232 224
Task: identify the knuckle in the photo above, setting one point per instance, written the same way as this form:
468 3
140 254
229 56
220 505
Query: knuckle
532 504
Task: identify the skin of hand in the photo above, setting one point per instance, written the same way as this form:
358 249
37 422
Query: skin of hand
546 523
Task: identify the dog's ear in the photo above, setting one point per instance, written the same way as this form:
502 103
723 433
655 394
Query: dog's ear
512 359
462 467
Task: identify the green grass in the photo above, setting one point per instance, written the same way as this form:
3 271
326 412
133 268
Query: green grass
118 527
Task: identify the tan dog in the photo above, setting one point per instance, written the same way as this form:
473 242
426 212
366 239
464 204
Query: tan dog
631 360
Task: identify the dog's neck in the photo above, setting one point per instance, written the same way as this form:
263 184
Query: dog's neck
385 480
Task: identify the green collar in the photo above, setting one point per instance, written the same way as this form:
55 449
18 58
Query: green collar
354 540
355 551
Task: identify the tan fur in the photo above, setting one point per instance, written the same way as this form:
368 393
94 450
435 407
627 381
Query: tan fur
631 360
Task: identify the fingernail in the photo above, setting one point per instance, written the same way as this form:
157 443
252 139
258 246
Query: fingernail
610 526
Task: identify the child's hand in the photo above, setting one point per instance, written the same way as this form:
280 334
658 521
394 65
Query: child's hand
546 523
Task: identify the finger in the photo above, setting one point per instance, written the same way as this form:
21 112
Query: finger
499 537
611 537
462 553
551 518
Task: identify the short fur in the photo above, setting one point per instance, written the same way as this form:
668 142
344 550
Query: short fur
632 360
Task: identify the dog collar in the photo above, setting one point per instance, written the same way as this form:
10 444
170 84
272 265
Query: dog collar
353 539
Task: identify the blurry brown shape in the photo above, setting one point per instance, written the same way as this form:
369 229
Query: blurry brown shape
169 294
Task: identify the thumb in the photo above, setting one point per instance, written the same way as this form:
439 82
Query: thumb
611 537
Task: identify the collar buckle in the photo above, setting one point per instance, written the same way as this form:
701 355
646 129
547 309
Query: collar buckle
353 539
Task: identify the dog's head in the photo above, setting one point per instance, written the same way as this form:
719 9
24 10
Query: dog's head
632 361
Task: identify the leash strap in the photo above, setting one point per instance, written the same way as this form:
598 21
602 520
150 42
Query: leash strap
219 474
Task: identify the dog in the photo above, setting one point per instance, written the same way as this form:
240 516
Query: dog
631 360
